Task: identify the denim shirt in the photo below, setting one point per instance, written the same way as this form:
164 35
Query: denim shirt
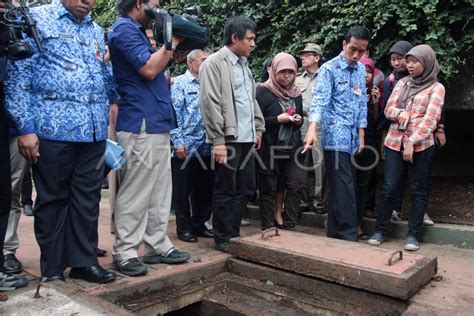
62 93
339 104
191 130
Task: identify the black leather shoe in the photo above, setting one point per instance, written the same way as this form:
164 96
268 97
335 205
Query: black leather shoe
93 274
59 277
101 252
206 233
12 264
188 237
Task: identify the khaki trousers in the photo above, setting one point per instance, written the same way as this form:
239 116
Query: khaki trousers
144 197
18 166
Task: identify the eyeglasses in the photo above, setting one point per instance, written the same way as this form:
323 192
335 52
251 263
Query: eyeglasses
200 59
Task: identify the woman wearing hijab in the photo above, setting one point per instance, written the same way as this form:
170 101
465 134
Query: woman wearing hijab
368 158
281 104
414 108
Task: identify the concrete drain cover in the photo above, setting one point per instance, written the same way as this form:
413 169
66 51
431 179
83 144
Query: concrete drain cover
356 265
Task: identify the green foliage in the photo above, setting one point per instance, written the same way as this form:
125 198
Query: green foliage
286 25
105 12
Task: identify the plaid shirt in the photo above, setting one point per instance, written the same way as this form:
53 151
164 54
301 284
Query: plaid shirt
425 111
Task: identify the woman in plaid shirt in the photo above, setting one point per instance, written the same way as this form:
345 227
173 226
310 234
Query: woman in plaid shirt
414 108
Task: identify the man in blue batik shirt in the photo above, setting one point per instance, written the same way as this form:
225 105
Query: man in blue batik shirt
59 100
339 107
193 179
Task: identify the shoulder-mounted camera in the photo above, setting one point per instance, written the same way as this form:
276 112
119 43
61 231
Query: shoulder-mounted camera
187 25
14 21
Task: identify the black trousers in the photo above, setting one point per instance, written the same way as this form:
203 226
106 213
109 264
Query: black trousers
291 174
68 179
5 180
366 166
342 215
193 181
27 188
234 185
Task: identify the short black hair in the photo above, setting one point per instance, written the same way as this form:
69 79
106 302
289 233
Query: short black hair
357 32
238 25
125 6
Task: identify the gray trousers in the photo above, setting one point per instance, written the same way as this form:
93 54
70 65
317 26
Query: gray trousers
316 184
18 167
143 201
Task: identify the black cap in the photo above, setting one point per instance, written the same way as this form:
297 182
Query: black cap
401 48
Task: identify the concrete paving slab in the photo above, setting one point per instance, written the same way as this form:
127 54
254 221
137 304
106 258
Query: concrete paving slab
458 235
351 264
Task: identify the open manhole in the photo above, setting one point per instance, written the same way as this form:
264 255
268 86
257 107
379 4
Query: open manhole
273 277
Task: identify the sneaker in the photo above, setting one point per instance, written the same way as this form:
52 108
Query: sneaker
427 220
396 215
131 267
170 257
11 282
28 210
223 247
376 239
411 244
12 264
244 223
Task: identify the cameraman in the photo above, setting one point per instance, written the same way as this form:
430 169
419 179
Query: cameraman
6 280
144 121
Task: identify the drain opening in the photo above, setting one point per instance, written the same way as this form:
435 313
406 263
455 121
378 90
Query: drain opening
204 308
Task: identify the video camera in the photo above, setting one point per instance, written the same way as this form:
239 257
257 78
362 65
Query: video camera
13 21
188 26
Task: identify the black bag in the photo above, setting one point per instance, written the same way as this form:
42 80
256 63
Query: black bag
288 136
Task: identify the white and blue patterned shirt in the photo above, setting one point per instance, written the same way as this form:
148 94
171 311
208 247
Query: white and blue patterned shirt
62 93
339 104
191 130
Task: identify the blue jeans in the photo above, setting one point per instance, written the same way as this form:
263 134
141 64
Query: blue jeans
419 173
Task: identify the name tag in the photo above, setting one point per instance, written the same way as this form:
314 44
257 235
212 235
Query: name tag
357 91
65 35
192 93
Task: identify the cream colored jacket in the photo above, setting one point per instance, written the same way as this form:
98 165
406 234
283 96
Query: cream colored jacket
217 102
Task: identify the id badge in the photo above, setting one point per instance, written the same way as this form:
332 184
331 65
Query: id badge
357 91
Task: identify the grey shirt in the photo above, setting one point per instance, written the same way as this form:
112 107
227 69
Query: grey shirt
243 99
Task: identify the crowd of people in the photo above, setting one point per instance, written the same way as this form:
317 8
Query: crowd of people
204 142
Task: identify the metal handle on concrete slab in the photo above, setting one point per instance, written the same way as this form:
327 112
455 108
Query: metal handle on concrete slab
266 231
390 259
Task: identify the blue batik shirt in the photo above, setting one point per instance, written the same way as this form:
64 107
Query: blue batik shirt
339 104
191 130
62 93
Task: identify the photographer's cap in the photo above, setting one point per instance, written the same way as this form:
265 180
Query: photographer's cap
312 48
